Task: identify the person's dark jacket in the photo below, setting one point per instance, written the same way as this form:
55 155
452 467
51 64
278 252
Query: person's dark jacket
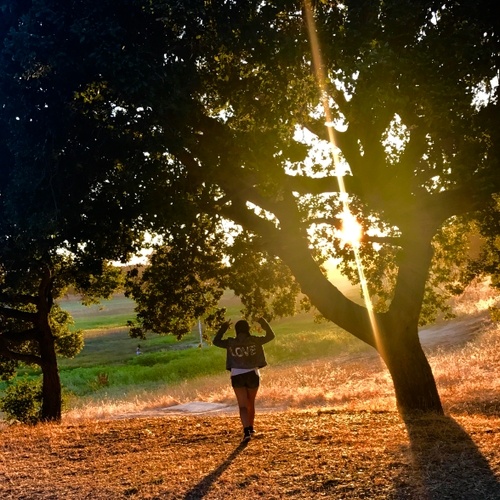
245 350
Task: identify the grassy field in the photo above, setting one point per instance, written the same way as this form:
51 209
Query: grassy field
327 425
108 373
107 314
108 368
310 364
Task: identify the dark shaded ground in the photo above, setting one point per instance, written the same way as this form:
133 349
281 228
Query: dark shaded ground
299 454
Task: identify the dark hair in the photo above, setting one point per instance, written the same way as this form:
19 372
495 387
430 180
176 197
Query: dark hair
242 326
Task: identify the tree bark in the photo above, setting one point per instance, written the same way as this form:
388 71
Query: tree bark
399 343
414 383
51 382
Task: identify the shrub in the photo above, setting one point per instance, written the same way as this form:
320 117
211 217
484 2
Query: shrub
22 401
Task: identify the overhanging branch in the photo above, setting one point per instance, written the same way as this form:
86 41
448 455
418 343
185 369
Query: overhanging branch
18 299
7 312
246 218
30 359
20 337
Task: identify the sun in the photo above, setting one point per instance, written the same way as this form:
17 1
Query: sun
351 231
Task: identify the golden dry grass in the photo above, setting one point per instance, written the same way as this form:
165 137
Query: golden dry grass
351 445
466 375
296 454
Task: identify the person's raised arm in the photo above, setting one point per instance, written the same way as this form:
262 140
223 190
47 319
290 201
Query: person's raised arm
217 340
267 328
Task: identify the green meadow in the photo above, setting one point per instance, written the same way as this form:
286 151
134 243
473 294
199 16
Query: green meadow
108 366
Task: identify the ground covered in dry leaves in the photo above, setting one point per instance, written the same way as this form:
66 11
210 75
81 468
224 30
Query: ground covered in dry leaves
295 454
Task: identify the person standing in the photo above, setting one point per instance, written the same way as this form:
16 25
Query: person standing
244 356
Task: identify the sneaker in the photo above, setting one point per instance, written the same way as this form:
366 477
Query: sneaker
251 429
246 435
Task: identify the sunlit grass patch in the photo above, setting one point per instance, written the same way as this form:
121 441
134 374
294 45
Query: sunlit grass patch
467 378
165 367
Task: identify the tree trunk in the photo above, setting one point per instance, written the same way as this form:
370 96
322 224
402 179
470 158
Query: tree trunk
414 383
395 335
51 383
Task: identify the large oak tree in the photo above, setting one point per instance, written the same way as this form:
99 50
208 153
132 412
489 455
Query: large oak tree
409 88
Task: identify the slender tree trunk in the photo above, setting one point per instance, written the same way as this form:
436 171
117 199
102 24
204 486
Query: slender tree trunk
51 383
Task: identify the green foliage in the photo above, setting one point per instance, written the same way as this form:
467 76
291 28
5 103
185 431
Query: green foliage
495 313
8 368
262 282
186 278
95 287
449 274
488 261
184 282
67 343
22 401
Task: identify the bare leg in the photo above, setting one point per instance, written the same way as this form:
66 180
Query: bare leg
251 395
243 405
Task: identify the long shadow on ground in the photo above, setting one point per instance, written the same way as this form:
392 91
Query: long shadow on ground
202 488
447 463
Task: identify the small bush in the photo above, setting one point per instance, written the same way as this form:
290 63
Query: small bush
22 402
101 381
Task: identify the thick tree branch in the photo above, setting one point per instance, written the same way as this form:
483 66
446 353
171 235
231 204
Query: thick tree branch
248 219
303 184
16 314
29 359
328 299
240 186
18 299
20 337
46 300
429 211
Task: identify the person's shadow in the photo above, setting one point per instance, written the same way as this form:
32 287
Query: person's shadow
202 488
447 463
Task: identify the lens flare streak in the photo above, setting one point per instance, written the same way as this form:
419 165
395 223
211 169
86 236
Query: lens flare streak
321 79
